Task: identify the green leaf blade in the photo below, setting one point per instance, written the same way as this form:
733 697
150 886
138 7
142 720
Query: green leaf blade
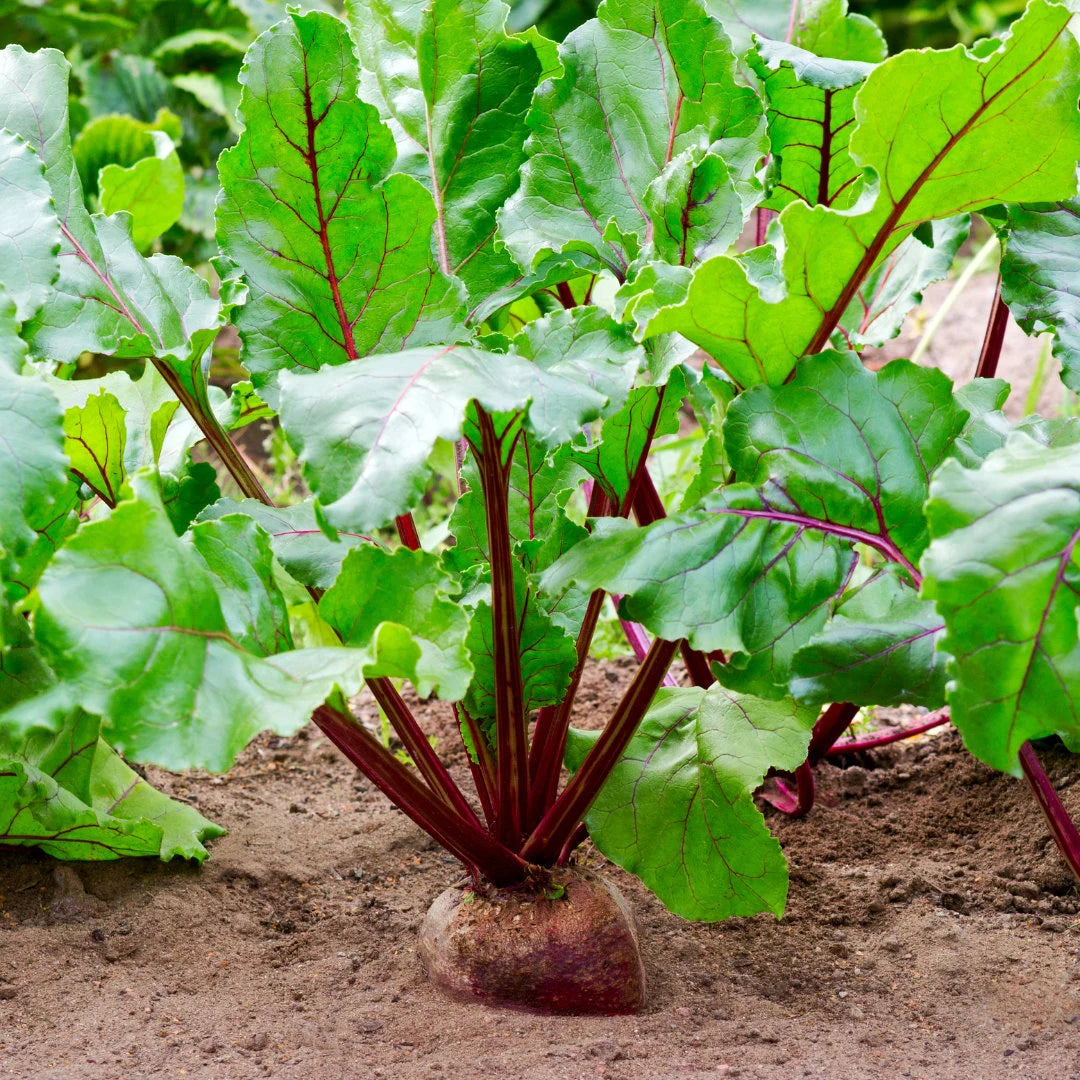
678 809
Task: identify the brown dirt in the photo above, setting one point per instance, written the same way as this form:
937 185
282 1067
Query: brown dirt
932 932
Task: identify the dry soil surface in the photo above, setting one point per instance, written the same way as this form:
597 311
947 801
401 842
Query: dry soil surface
932 932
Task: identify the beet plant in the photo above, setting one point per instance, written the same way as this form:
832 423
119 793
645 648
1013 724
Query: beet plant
446 246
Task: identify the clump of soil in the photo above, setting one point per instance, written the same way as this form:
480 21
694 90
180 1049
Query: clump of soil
932 932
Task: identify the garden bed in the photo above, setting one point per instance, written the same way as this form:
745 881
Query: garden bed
932 931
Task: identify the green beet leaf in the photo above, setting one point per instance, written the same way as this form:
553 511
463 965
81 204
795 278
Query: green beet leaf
895 286
694 207
94 440
642 83
397 607
836 457
130 619
811 116
336 252
879 648
626 437
297 541
364 433
823 27
457 86
236 550
1003 572
937 129
151 190
29 231
678 809
71 795
33 474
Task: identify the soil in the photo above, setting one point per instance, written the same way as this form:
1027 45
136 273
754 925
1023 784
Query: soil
931 932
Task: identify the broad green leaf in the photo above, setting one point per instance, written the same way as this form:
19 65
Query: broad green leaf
889 292
878 649
72 795
337 253
35 811
297 541
29 231
25 677
364 433
811 116
736 579
1003 571
938 130
587 346
236 550
1039 263
823 27
188 491
848 446
643 82
94 440
678 809
457 86
151 190
988 428
33 472
397 608
838 456
122 793
129 618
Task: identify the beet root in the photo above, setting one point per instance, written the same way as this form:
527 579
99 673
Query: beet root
567 946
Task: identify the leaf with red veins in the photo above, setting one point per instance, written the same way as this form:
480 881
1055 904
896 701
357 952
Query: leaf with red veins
298 543
643 82
71 795
895 286
454 87
678 809
811 116
849 446
365 433
823 27
337 252
938 131
133 622
1004 572
879 648
838 457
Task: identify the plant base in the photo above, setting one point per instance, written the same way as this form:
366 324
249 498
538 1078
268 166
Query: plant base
569 947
